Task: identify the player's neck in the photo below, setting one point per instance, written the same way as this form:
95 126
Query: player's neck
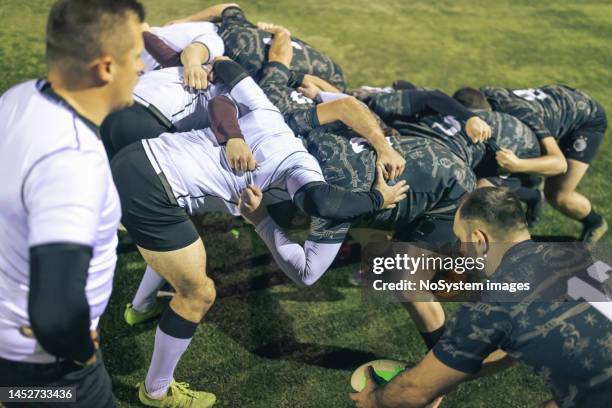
498 249
87 101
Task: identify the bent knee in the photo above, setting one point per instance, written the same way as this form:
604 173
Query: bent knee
200 291
557 197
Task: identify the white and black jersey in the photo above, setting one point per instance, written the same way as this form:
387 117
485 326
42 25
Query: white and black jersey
56 188
179 36
197 170
164 91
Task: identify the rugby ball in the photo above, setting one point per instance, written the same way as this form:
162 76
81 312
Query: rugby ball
384 371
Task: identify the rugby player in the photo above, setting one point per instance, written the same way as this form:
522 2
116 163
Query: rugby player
567 343
163 180
60 208
175 56
248 45
571 126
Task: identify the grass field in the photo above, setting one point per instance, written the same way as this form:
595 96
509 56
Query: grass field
266 343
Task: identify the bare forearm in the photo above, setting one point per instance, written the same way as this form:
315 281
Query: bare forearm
357 116
321 83
280 49
403 392
194 54
548 165
209 13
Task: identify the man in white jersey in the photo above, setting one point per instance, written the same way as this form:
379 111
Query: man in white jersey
163 180
60 208
173 93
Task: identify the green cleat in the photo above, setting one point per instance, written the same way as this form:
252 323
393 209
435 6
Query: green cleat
179 396
134 317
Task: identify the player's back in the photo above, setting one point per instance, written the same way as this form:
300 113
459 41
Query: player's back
45 146
553 110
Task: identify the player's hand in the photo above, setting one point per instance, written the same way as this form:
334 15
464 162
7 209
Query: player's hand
477 129
274 29
195 77
391 194
309 90
250 206
239 155
392 163
507 160
95 338
367 397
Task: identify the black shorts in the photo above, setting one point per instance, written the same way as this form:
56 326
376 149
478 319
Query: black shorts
93 384
433 230
132 124
151 214
582 144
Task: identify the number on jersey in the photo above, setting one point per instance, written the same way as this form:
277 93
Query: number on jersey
451 126
530 94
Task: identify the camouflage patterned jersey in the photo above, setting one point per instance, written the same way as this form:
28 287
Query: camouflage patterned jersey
248 46
567 343
574 119
438 178
507 131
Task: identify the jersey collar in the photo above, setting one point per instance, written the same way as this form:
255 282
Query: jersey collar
45 88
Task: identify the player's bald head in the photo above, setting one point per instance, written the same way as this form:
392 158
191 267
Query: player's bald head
79 31
472 98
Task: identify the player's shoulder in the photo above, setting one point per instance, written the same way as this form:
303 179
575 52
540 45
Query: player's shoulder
34 124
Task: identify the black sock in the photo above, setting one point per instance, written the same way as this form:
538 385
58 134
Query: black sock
431 338
528 195
591 220
176 326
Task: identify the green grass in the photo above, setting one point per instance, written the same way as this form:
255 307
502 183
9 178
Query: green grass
266 343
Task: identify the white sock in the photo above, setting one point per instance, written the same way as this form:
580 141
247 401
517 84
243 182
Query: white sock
166 354
146 295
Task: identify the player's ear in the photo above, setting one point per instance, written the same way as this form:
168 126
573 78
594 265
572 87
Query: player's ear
481 241
103 70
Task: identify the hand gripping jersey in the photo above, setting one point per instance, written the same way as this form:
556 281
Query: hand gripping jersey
197 170
163 91
56 188
179 36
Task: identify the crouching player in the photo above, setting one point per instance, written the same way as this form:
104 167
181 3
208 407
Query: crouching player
565 342
163 180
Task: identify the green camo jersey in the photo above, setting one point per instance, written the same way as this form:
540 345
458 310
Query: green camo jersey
554 110
249 46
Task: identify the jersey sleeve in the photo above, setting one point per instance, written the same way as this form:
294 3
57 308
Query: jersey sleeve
303 265
63 195
474 332
531 118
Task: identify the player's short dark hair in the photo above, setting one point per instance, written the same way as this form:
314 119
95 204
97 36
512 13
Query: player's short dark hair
82 30
495 207
471 98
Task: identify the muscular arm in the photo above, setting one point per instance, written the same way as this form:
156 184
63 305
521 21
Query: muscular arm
551 163
355 115
58 308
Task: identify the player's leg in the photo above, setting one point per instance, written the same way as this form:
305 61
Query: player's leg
579 149
145 305
171 246
561 193
184 269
